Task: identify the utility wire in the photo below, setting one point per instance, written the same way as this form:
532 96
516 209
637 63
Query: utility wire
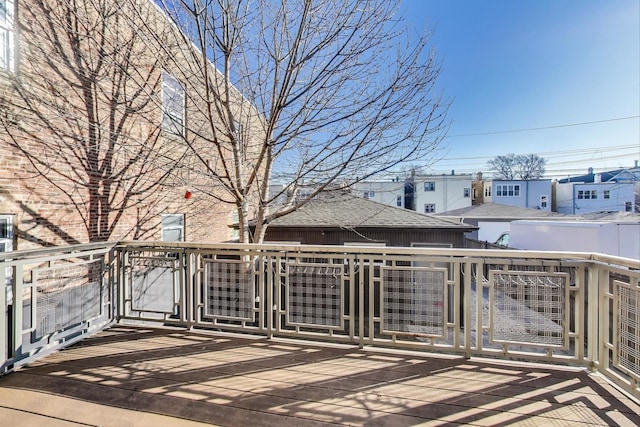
542 128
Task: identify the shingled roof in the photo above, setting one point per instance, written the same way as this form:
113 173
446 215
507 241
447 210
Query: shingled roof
497 210
346 210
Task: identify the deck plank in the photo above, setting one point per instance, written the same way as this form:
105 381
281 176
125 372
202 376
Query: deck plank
156 377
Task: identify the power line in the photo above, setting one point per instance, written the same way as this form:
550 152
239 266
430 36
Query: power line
543 127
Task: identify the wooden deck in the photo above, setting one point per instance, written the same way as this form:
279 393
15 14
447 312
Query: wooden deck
128 376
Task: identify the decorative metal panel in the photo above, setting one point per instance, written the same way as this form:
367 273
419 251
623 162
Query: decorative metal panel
314 295
628 327
154 286
229 289
414 301
67 295
529 307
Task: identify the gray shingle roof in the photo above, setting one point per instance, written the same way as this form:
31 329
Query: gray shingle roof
345 210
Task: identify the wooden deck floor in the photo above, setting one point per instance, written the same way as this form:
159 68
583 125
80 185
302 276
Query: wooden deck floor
129 376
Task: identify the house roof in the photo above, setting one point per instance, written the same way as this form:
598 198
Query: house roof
346 210
611 216
630 174
497 210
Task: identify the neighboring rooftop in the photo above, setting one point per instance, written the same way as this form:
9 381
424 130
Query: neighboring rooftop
497 210
346 210
611 216
623 174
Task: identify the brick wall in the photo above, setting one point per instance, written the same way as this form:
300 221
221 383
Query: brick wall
83 156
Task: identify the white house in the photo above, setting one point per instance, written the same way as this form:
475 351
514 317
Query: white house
611 191
439 193
389 192
588 197
533 194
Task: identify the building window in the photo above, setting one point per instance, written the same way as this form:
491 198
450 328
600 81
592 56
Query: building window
467 192
430 186
7 36
6 233
399 201
587 194
508 190
544 202
607 194
487 191
173 228
369 194
173 105
429 208
628 206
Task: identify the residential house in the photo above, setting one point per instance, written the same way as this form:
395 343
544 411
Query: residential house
612 191
389 192
345 219
94 124
494 219
534 194
477 190
433 194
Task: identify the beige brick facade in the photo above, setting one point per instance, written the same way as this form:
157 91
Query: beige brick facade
83 152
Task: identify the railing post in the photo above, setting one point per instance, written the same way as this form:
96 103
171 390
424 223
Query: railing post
361 276
18 304
4 324
467 305
595 339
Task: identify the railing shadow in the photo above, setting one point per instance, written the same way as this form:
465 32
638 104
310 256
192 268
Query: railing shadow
224 379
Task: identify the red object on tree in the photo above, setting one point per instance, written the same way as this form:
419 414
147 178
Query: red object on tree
187 195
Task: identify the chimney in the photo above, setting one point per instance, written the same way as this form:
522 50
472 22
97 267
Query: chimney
453 172
590 171
635 165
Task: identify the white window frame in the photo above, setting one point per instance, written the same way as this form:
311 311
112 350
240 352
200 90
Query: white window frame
430 186
607 194
7 35
399 201
429 208
369 194
508 190
6 233
173 104
173 228
544 201
467 193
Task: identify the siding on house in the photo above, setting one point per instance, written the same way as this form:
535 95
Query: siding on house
439 193
533 194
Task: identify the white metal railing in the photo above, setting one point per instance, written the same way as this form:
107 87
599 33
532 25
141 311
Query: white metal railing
570 308
53 297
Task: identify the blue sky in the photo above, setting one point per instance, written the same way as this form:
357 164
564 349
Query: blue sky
510 65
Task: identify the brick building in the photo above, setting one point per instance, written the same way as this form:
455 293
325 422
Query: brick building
101 135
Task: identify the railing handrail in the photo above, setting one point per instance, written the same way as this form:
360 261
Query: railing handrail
24 254
391 250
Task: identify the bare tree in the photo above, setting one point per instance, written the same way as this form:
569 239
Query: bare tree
82 114
524 167
531 166
504 166
331 90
